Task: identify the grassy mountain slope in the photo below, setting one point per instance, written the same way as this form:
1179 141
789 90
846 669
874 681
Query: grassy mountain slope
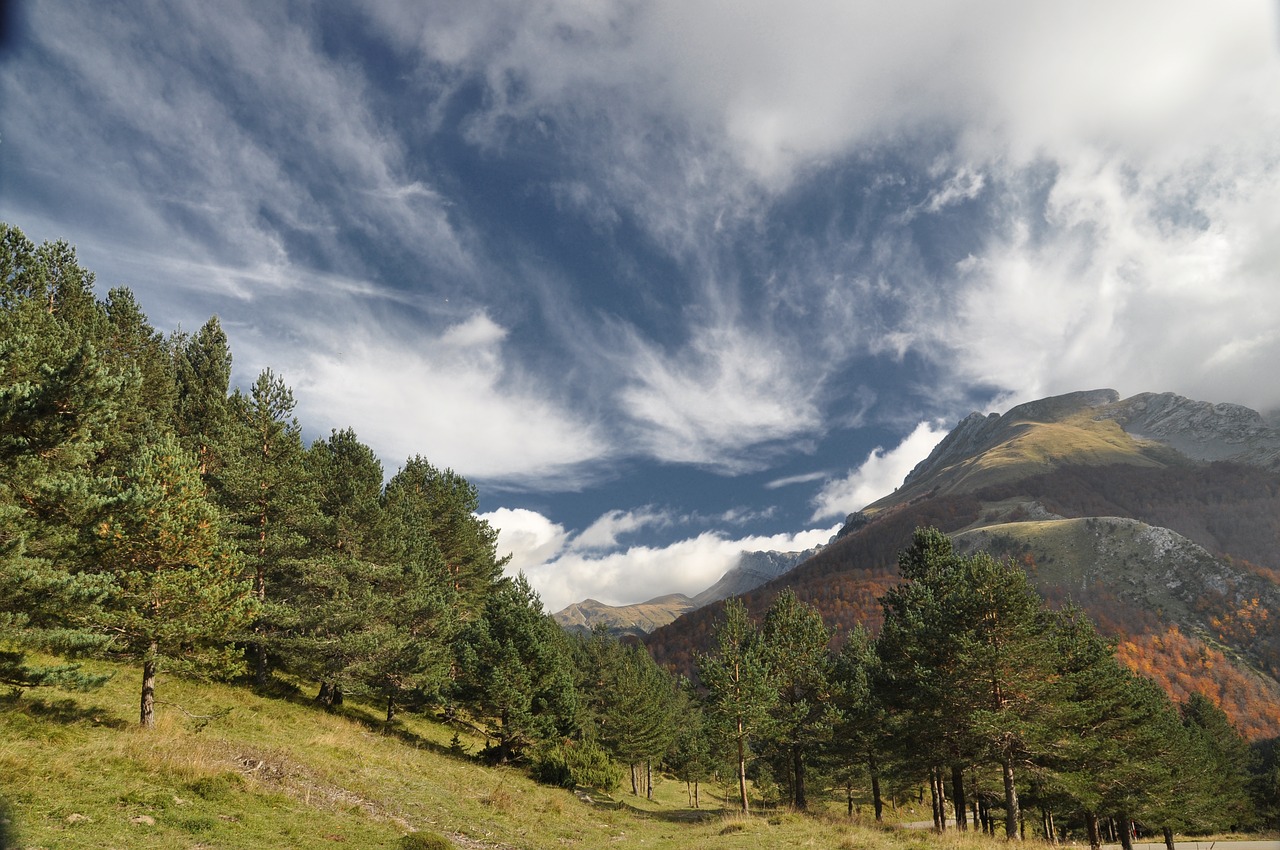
232 769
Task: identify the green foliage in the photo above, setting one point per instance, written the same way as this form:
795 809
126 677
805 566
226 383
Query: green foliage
425 506
176 588
424 841
795 642
628 702
741 689
514 666
568 763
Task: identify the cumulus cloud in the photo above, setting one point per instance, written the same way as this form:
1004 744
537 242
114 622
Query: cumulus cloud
633 574
879 475
528 537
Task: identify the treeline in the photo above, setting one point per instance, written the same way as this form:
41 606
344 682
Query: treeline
152 514
1008 711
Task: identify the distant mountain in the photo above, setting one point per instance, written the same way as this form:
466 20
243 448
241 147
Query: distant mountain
751 570
638 619
1157 514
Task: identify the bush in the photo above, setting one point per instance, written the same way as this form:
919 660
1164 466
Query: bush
425 841
571 763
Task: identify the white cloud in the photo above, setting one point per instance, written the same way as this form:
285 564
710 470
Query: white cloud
880 474
565 575
527 536
729 390
795 479
1152 280
604 532
453 397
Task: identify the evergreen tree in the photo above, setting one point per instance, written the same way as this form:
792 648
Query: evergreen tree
689 758
1220 801
177 593
269 496
422 502
146 407
202 377
859 723
514 671
58 405
629 704
968 656
741 691
796 644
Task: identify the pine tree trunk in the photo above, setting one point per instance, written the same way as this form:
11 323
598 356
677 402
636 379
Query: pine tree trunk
1126 832
848 799
935 805
797 761
391 709
1011 814
147 705
648 779
876 801
635 788
742 766
1168 839
957 797
325 695
696 801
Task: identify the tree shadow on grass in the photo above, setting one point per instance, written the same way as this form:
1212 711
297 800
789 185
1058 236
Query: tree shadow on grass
66 712
357 712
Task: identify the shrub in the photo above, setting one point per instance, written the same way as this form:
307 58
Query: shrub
425 841
571 763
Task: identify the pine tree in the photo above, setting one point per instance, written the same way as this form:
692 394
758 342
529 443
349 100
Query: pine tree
177 593
795 641
264 486
966 653
58 405
689 758
423 502
859 722
202 376
514 670
741 691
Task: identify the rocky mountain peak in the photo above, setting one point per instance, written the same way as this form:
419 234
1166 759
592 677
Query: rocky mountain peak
1199 429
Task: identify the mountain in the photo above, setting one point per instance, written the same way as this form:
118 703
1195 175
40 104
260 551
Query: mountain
751 570
638 619
1157 514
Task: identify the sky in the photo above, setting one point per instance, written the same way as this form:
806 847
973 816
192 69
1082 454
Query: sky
668 279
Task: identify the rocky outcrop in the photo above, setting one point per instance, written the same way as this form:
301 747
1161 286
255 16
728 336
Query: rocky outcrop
1198 429
752 570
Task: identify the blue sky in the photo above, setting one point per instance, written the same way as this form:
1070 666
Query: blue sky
669 279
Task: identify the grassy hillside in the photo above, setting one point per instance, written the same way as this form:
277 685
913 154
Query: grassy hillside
231 769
